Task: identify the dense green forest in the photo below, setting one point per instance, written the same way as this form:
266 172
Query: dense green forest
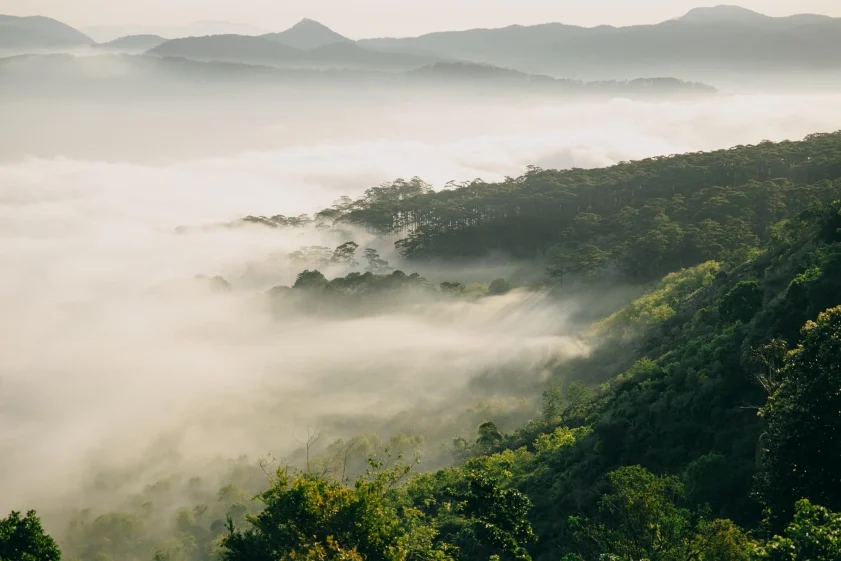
704 425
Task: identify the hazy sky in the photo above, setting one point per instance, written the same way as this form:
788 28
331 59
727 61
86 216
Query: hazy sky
361 18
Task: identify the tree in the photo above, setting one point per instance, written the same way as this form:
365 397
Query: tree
553 402
642 518
579 398
452 287
768 362
311 517
376 265
23 539
489 437
345 255
312 256
499 287
813 535
639 519
310 279
494 519
741 303
803 443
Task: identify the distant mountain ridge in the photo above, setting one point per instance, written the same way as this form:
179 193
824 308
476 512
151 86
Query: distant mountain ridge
138 43
270 50
701 45
108 33
729 13
307 34
705 39
38 32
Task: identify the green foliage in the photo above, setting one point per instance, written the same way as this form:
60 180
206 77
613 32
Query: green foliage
553 402
742 302
813 535
803 449
376 265
345 255
499 287
23 539
635 220
310 280
488 438
493 519
658 304
641 518
560 438
308 516
452 288
580 398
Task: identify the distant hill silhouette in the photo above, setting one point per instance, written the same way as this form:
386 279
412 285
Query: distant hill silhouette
234 48
270 50
723 38
704 45
307 34
107 33
133 43
726 13
37 32
483 73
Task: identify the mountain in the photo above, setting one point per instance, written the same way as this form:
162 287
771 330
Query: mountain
232 48
133 43
196 29
481 45
725 13
483 74
702 45
307 34
37 32
263 50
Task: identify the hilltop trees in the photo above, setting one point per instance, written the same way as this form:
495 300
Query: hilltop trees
23 539
643 517
639 220
803 452
813 535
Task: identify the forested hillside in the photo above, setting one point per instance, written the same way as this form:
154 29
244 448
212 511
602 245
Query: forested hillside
703 425
641 219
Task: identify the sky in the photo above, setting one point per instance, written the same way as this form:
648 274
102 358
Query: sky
367 18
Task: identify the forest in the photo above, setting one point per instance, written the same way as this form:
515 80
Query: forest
703 424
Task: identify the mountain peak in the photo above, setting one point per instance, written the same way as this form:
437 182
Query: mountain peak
722 13
307 22
308 34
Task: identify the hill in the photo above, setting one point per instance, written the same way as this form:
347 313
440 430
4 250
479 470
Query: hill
705 42
582 219
133 43
266 50
307 34
36 32
725 13
108 33
233 48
